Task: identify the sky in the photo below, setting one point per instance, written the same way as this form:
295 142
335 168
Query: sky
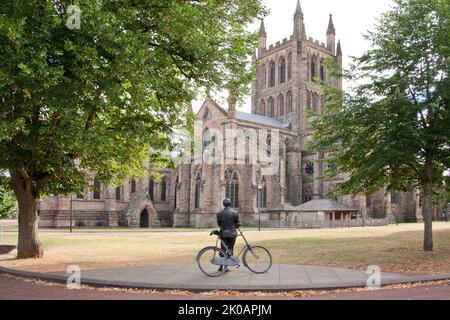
352 18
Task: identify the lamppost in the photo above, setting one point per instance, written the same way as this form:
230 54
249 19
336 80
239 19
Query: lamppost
259 196
259 205
71 212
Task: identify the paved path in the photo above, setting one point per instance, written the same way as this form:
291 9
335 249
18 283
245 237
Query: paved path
189 277
17 289
280 277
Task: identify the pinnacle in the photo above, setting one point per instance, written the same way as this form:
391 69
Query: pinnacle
298 10
339 49
330 29
262 29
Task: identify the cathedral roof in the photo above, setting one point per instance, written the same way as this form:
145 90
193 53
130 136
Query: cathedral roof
325 205
249 117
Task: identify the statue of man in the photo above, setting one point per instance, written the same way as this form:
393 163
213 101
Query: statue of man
228 221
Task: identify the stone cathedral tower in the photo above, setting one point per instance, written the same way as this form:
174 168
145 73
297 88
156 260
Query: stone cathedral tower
286 89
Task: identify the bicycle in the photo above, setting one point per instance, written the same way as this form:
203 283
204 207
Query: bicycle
213 261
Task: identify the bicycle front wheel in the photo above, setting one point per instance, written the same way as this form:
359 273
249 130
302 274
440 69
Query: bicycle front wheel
257 259
206 259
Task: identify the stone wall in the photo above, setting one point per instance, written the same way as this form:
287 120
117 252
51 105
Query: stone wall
89 219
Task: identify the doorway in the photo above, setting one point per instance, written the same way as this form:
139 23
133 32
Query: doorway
144 219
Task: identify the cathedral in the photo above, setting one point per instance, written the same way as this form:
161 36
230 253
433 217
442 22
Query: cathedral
259 160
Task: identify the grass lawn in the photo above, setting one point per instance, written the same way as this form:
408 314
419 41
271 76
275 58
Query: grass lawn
393 248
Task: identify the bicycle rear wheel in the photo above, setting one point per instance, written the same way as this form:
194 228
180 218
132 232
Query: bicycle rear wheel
258 259
205 260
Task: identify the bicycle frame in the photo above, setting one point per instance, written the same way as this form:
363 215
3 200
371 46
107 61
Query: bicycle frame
224 258
227 250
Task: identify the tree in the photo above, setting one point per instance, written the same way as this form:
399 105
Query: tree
393 129
95 99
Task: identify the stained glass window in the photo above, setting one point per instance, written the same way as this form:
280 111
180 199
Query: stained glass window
232 187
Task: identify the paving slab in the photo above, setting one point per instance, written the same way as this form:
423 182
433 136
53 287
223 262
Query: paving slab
189 277
280 277
294 275
273 276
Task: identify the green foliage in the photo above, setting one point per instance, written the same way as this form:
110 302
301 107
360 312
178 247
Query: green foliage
397 118
98 98
442 195
8 205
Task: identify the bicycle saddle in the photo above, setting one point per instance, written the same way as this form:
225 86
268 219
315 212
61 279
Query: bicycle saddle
215 233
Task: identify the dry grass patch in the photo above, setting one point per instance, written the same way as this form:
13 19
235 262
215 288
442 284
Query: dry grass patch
393 248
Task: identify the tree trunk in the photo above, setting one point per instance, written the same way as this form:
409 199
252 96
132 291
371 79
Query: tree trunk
29 245
428 207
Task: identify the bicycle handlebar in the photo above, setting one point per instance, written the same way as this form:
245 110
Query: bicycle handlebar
217 233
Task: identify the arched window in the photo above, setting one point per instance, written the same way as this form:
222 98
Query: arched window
198 189
307 195
262 195
269 144
313 68
151 189
289 102
133 186
308 66
271 111
163 190
282 70
262 108
281 104
207 116
232 187
395 198
322 71
97 189
206 139
289 67
119 193
272 74
263 75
